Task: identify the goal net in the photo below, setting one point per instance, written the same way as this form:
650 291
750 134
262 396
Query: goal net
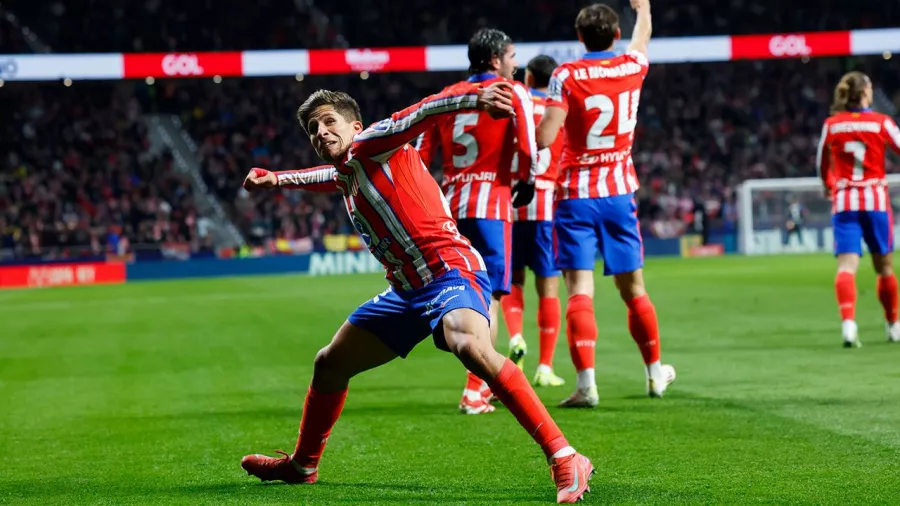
791 215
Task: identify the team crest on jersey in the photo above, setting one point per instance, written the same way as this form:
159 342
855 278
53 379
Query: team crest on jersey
357 224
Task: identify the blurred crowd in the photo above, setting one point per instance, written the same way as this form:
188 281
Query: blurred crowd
213 25
77 176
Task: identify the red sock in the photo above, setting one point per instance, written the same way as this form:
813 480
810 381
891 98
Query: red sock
513 305
644 327
887 294
320 413
845 288
512 388
473 382
581 331
548 325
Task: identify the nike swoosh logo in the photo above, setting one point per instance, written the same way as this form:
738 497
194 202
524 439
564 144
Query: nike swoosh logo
447 300
574 486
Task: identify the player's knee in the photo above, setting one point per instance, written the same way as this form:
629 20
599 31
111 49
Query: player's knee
466 342
326 363
630 285
547 287
848 262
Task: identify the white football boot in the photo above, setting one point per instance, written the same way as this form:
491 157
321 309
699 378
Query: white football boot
582 398
893 332
659 377
850 332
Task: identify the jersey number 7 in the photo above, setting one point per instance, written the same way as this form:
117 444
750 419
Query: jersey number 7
628 107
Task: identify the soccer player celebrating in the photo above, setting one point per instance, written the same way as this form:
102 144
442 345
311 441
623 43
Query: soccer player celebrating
438 285
597 100
850 160
533 239
478 154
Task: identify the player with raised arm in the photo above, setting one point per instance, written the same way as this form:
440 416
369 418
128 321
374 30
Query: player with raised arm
850 160
479 153
532 244
597 100
438 285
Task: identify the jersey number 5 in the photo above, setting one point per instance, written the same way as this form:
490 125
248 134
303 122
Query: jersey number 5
628 107
858 149
460 136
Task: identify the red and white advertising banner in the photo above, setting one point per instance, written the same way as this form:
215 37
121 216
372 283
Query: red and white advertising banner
29 67
794 45
143 65
33 276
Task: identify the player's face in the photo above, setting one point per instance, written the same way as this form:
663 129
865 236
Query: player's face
508 63
331 134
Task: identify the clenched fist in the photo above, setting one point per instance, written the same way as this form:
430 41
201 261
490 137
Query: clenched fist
260 178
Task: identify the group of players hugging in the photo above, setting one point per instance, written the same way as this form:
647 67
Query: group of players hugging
538 175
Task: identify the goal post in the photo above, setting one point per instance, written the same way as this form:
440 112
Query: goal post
767 208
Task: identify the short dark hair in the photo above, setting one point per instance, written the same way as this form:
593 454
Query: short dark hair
597 25
484 46
541 68
343 104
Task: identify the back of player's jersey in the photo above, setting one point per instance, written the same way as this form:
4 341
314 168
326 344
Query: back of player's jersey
601 94
478 157
850 159
855 142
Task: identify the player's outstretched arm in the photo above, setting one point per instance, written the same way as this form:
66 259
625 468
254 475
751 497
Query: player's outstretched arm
823 161
404 126
316 179
643 28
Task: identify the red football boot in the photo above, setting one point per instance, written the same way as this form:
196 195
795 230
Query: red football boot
278 469
571 474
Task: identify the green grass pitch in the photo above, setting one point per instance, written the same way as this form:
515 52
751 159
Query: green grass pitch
151 393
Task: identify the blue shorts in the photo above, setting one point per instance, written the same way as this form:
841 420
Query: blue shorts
610 225
533 248
401 320
853 227
492 239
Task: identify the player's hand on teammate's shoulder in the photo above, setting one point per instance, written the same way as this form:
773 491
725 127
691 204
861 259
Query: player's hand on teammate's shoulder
260 178
497 99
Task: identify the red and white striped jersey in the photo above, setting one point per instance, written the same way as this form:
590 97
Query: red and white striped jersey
850 159
546 173
600 93
481 154
393 202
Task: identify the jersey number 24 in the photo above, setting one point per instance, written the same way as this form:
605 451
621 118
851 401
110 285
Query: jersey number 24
627 107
